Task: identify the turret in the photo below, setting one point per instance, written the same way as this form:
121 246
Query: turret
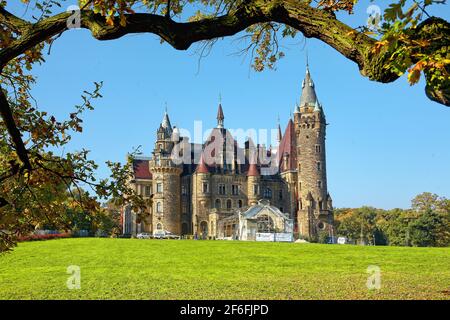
166 182
253 183
202 196
310 128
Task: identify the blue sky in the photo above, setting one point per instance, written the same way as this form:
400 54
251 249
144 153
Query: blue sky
385 142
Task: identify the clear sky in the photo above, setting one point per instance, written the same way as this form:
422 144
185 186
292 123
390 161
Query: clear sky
385 142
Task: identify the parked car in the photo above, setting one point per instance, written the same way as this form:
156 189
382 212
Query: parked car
164 234
143 235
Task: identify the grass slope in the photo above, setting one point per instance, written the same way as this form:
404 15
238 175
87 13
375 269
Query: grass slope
155 269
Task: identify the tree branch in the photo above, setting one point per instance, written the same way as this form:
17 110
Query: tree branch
9 19
5 112
312 22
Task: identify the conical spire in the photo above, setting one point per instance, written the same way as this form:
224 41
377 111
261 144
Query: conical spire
220 116
165 123
202 168
308 93
253 170
279 134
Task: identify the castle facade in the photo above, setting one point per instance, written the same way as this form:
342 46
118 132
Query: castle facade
193 186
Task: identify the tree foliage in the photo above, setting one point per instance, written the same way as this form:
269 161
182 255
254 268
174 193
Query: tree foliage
427 223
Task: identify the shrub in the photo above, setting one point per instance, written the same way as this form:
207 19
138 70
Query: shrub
40 237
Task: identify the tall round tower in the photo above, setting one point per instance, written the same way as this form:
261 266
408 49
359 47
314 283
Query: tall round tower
166 206
314 213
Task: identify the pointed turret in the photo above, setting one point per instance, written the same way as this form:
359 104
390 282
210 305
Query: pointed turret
308 92
202 168
220 116
253 170
279 134
165 123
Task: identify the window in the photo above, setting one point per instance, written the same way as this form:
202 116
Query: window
255 189
184 208
159 207
319 166
300 186
222 189
159 226
229 204
159 187
280 195
239 203
218 204
183 190
281 209
319 184
299 167
320 205
205 187
148 191
318 150
265 223
268 193
235 189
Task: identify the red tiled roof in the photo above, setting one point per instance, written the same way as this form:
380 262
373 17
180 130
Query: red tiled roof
287 145
253 170
202 168
141 169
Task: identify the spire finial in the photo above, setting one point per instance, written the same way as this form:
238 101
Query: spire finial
307 61
220 97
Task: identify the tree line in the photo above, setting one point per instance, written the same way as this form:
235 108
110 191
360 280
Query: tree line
425 224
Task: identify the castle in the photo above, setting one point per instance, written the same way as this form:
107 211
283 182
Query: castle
218 177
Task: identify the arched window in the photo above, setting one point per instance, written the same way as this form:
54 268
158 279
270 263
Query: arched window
184 228
268 193
159 226
204 229
229 204
218 204
159 207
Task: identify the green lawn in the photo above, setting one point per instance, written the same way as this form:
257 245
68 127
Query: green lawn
171 269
